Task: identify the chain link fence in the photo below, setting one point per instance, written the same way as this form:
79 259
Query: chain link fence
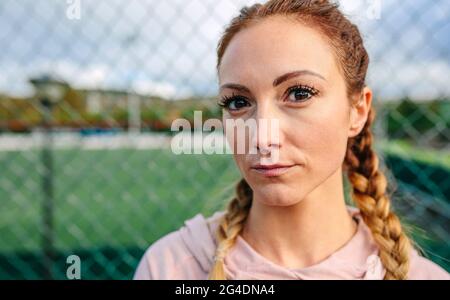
86 165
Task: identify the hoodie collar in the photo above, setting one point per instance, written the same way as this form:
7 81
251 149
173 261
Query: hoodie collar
358 258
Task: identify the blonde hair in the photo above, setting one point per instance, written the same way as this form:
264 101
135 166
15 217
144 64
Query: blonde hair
361 164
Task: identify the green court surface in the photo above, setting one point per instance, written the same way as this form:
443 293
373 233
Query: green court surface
110 205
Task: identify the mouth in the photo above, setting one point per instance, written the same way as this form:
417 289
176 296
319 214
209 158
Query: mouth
272 170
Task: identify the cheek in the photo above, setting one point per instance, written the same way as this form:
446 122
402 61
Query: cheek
234 136
237 137
323 138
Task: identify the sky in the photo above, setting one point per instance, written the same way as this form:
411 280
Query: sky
168 47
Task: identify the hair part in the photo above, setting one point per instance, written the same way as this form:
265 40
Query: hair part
369 184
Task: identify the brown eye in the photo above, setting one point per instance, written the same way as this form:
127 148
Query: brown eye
300 93
234 103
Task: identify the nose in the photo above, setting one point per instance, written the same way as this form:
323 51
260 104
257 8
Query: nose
266 136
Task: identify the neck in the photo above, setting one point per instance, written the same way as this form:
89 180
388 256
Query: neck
303 234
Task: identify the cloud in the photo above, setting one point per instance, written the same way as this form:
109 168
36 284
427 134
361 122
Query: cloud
416 80
92 76
168 47
163 89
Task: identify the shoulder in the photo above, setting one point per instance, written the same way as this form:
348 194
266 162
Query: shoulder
422 268
161 258
181 254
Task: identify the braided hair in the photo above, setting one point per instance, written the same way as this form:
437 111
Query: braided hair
368 183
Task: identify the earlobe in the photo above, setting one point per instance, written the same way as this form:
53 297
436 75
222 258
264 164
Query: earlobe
354 125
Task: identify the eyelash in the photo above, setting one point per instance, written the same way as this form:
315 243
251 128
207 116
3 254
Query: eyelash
226 100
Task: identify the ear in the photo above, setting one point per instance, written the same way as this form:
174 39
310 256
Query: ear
359 112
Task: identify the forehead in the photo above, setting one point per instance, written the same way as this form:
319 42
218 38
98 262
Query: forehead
275 46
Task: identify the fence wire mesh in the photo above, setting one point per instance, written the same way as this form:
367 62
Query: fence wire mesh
88 171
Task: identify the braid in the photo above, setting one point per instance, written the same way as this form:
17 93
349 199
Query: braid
231 226
369 193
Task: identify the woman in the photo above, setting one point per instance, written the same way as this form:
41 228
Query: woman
303 64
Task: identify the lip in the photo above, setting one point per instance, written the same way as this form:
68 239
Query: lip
272 170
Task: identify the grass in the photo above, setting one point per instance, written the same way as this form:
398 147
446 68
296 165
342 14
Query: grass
121 199
406 149
117 197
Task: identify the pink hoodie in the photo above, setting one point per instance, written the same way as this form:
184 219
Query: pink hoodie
188 254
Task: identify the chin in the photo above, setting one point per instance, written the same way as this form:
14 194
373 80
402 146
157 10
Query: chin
277 195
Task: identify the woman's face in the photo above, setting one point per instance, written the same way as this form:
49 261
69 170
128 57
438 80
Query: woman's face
310 107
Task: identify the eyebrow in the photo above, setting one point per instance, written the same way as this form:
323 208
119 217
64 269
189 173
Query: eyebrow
276 82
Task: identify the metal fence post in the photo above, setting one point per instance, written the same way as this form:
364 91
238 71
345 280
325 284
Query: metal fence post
47 188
